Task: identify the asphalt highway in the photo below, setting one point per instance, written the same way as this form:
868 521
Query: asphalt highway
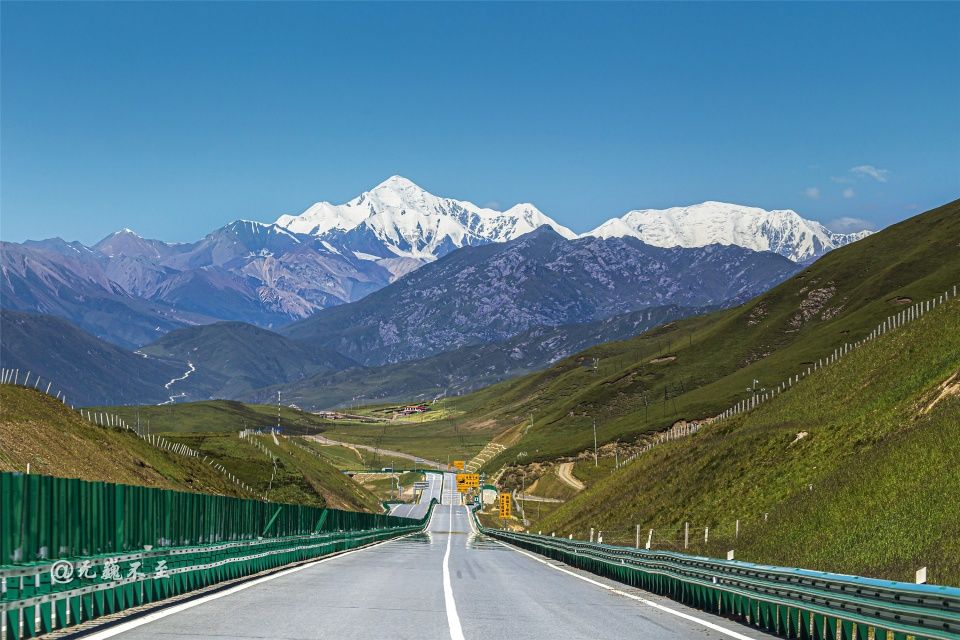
448 583
419 509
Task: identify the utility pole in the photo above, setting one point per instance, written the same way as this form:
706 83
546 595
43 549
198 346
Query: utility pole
596 462
278 411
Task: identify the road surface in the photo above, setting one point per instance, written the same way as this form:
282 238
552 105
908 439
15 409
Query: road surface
419 509
448 583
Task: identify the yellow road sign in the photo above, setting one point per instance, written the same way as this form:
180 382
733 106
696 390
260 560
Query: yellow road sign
467 481
505 506
459 464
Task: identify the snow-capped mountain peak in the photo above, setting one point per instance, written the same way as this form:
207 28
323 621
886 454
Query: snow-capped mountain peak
781 231
398 218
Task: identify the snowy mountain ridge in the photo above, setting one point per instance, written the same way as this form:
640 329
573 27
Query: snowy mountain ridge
780 231
397 218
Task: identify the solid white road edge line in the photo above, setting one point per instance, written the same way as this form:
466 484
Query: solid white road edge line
655 605
453 619
123 627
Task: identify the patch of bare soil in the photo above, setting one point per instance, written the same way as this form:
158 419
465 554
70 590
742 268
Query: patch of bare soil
949 387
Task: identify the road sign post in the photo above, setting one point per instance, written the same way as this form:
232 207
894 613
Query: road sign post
506 509
467 481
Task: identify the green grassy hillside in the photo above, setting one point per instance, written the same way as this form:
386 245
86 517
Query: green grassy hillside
233 358
695 368
216 416
869 489
301 475
39 430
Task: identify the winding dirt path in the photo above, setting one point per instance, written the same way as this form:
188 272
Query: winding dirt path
396 454
565 473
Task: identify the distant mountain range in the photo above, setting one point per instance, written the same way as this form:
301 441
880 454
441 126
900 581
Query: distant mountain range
130 290
395 292
474 316
464 369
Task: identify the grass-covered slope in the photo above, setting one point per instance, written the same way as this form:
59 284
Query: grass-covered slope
694 368
300 475
871 488
233 358
216 416
41 431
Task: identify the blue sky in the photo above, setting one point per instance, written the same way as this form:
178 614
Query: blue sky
175 118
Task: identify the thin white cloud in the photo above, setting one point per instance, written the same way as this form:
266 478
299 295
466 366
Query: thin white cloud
812 192
493 204
848 224
849 192
870 171
841 179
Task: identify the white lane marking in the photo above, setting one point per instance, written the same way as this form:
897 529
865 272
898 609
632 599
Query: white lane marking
655 605
453 620
169 611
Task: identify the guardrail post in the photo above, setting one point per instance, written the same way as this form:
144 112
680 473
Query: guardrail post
591 534
706 535
686 535
638 536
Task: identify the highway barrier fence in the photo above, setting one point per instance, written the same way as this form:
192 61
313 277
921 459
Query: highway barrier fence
792 603
72 550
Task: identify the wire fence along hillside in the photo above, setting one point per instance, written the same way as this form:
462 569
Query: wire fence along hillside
891 323
113 421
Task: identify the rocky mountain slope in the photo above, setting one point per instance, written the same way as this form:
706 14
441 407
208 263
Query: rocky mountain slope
465 369
494 292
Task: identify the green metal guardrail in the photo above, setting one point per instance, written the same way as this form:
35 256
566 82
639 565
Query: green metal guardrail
793 603
72 550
